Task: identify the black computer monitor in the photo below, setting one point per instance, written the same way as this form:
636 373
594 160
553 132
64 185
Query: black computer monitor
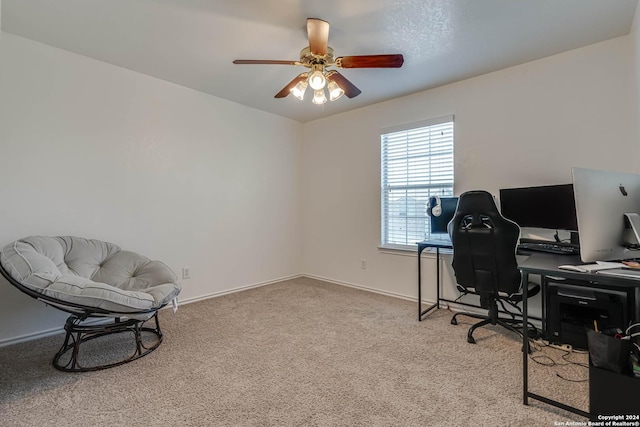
448 207
549 206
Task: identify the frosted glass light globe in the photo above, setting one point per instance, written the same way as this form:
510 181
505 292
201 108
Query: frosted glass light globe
319 97
317 80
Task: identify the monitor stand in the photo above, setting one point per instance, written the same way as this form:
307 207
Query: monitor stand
575 238
631 236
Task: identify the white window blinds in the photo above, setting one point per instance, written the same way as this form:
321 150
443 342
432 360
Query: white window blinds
417 163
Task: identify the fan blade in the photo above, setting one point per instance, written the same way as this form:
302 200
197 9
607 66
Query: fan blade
370 61
264 61
287 89
349 88
318 32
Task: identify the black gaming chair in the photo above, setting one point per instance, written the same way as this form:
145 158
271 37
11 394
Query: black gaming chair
484 259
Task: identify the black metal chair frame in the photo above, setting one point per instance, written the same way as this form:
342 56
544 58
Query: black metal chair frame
78 332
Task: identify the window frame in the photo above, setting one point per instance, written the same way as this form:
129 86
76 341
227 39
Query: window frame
439 188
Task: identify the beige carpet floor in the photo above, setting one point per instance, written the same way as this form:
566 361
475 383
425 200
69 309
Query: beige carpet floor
296 353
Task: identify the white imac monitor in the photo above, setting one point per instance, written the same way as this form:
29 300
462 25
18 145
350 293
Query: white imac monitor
602 200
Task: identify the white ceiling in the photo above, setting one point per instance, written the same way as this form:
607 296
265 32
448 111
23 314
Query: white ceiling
193 42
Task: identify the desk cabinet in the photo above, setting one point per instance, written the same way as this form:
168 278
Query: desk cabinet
601 384
613 394
571 307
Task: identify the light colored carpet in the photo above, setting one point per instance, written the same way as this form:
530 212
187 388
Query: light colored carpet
299 352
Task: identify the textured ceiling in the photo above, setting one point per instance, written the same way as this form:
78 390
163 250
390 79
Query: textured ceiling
193 42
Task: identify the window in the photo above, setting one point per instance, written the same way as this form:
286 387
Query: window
417 163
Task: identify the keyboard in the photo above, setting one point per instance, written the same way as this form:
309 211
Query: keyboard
550 247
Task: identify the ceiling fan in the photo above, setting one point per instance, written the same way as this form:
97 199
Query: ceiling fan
318 57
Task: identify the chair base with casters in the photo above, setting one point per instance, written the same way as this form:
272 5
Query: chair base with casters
113 296
493 315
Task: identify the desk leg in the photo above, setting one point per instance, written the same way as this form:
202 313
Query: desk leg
438 277
525 354
420 249
525 340
437 304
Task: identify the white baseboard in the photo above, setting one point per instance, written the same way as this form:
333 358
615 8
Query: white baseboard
42 334
32 336
60 329
366 288
443 304
238 289
452 306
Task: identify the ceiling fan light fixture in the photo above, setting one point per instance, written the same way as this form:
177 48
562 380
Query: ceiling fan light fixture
319 96
316 58
299 89
317 80
335 91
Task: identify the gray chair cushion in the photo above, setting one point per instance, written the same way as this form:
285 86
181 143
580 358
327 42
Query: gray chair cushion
90 272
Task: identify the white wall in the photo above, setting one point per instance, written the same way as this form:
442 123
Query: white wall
635 37
94 150
526 125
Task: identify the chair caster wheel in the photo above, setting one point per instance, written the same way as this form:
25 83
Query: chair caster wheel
454 321
470 340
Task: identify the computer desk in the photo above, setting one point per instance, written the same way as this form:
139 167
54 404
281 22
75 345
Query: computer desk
545 266
438 245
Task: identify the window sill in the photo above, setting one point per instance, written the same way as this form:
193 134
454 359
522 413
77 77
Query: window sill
411 251
399 250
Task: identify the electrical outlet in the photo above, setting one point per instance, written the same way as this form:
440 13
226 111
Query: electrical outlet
186 272
363 264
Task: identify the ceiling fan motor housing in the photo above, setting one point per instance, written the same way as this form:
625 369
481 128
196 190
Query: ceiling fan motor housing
309 59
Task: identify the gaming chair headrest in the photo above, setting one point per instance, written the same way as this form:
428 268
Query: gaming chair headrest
477 204
478 201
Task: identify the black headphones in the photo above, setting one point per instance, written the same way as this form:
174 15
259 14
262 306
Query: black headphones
434 208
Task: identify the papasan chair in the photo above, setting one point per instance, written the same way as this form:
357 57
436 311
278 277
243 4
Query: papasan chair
105 289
